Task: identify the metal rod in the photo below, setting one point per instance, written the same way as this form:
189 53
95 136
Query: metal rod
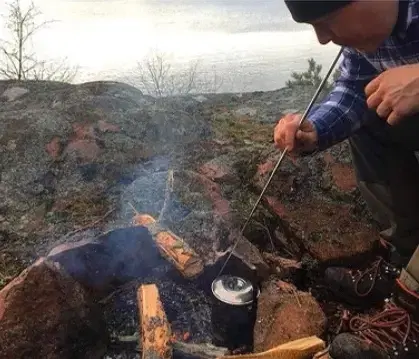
303 117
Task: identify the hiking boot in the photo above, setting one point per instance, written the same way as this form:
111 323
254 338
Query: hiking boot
370 286
390 334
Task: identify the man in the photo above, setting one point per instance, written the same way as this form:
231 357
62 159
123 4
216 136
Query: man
374 104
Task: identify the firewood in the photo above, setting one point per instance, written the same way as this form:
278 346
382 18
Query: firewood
304 348
198 351
172 247
180 349
155 332
324 354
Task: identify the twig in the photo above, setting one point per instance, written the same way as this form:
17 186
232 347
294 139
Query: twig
289 288
89 225
270 236
297 297
133 208
268 232
126 338
167 196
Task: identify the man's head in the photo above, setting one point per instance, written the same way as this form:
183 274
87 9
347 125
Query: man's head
360 24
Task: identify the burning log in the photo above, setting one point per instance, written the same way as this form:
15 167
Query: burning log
304 348
155 333
173 248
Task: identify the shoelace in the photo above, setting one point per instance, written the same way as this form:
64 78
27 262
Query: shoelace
388 329
373 272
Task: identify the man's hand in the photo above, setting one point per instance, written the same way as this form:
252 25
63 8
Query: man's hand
287 135
394 94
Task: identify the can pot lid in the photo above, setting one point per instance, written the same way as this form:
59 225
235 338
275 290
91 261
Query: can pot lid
233 290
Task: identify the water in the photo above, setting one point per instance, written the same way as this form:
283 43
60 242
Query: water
250 45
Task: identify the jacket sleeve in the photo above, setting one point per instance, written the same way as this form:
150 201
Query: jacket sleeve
341 112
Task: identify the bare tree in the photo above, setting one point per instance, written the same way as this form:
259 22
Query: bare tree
18 61
158 78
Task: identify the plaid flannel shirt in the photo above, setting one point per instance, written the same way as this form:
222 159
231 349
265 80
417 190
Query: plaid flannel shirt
341 113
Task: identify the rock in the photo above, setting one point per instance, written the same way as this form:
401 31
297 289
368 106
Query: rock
111 259
339 178
107 127
282 267
54 148
285 314
200 98
84 150
329 232
99 124
45 314
323 221
220 169
249 253
13 93
11 145
245 111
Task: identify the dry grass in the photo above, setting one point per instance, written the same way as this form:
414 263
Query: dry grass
82 210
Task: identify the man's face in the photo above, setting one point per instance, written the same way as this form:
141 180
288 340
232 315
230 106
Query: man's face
363 24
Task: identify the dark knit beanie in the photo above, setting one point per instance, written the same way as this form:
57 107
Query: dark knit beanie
309 10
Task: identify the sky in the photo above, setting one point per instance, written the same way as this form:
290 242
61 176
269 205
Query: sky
108 37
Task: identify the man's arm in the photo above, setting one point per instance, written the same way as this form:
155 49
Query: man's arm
341 113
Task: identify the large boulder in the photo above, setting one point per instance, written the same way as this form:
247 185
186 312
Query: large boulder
44 313
285 314
107 261
317 202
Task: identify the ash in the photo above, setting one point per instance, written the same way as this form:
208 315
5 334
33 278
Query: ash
186 304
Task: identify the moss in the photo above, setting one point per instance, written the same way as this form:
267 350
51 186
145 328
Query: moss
189 191
241 129
247 164
315 237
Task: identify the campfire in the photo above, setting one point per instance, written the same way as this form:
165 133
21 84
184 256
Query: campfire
142 291
231 300
95 197
146 313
